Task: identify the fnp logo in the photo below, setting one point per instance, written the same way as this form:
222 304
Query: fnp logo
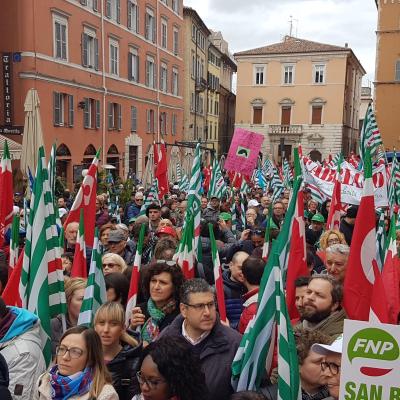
373 344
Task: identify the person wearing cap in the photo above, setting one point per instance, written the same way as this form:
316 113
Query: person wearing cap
166 231
18 201
331 364
117 244
312 379
211 213
62 213
348 222
133 208
314 231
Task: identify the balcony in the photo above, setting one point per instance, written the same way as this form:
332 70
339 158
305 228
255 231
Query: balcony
201 85
285 130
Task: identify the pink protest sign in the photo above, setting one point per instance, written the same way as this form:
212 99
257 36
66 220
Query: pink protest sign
243 153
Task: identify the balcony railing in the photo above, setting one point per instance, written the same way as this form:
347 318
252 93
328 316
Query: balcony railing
285 129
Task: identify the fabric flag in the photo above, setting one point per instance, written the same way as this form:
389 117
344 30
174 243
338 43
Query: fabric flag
287 174
243 151
394 184
61 239
244 188
178 172
217 183
381 239
79 269
42 282
268 168
184 184
261 179
360 276
14 244
277 186
370 137
265 250
316 193
134 284
218 281
233 213
151 198
86 199
206 176
11 295
51 168
95 292
185 255
161 168
333 221
6 193
391 274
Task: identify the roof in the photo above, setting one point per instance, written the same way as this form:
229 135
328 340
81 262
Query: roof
14 147
193 13
292 45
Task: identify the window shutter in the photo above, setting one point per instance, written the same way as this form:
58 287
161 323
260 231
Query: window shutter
136 70
95 5
154 29
110 116
119 108
64 42
129 15
96 54
165 123
84 2
154 122
133 119
118 10
147 73
84 50
97 102
86 113
257 115
130 65
316 117
147 21
56 109
70 110
108 8
148 120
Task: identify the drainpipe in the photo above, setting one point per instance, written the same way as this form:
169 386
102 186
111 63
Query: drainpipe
104 87
157 72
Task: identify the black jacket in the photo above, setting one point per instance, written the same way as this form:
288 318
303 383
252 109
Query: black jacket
123 370
216 355
233 292
4 380
347 230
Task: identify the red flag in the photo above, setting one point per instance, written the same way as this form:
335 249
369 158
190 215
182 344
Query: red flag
6 193
207 178
235 179
379 309
334 215
79 267
161 168
86 200
360 276
297 261
11 294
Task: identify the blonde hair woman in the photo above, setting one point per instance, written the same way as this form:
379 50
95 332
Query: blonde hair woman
331 237
113 263
121 350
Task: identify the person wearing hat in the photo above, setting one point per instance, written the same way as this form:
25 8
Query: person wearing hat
331 365
211 213
117 244
314 231
348 222
133 208
166 231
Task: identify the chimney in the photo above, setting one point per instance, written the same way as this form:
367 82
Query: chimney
346 45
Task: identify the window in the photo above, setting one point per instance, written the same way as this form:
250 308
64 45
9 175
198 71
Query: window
259 72
175 79
194 30
150 72
90 49
63 109
114 61
397 72
133 65
163 77
93 4
174 122
150 115
286 114
175 6
288 74
164 30
91 114
193 65
133 16
114 116
176 41
216 107
257 115
60 37
319 73
163 123
316 116
150 29
113 10
133 119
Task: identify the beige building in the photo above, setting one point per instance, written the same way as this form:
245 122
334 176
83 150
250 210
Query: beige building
299 91
196 46
366 99
387 72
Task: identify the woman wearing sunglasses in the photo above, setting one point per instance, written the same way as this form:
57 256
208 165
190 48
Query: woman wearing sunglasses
162 283
170 371
79 372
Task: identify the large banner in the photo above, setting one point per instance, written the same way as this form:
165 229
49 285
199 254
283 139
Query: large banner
370 361
243 152
352 182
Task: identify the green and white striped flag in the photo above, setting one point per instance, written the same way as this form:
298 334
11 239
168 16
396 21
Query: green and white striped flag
151 198
42 281
277 186
244 189
370 136
178 172
217 183
287 174
14 243
394 184
381 240
95 292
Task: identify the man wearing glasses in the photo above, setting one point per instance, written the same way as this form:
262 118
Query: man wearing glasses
134 207
214 343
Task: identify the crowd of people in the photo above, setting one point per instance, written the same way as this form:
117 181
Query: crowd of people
175 346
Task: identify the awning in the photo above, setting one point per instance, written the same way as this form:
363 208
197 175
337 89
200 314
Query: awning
15 148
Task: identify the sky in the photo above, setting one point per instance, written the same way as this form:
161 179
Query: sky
254 23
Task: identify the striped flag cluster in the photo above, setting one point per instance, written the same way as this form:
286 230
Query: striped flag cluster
42 281
394 184
217 183
183 180
287 174
370 136
261 179
277 186
151 198
95 291
268 167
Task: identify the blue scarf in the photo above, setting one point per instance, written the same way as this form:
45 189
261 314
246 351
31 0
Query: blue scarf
64 387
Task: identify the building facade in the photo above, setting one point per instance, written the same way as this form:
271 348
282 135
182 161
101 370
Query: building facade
109 74
387 72
299 91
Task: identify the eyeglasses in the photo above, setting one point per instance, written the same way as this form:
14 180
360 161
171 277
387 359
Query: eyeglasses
202 306
168 262
74 352
151 383
333 368
111 265
333 241
138 199
257 232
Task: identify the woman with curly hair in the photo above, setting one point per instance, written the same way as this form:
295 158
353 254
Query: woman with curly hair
162 283
170 371
331 237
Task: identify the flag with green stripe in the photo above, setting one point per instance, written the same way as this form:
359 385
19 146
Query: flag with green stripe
370 136
217 183
151 198
14 243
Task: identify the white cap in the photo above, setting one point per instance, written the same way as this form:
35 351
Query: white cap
324 349
62 212
253 203
15 210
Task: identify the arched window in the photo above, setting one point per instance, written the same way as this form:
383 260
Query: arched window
90 151
113 150
63 151
315 155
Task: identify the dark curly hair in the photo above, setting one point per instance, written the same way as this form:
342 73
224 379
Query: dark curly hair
156 268
179 366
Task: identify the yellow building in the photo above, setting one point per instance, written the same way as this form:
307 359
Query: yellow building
299 91
387 72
